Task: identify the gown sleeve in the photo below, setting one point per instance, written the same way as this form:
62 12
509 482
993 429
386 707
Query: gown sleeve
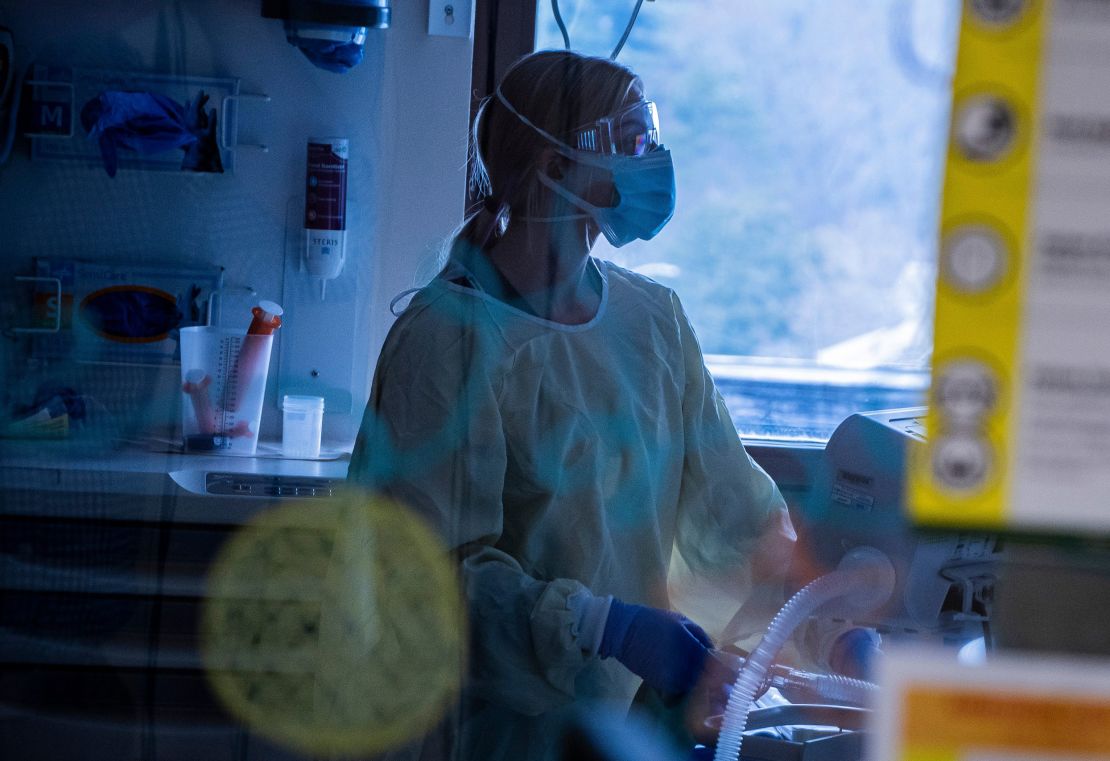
432 439
730 511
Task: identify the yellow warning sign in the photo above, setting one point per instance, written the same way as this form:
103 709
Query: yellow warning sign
1025 707
954 719
1021 369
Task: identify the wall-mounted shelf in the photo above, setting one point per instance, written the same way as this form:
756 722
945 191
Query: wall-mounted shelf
56 94
69 323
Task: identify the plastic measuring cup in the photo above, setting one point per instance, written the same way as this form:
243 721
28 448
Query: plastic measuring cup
302 423
223 384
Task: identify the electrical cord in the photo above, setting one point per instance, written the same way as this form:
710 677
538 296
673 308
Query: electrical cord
11 89
627 30
624 37
559 21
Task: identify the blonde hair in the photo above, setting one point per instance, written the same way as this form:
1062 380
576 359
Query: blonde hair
558 91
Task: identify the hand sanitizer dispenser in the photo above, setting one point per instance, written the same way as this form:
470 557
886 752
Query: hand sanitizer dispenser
325 208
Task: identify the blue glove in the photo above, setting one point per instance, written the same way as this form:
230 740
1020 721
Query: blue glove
665 649
148 123
854 651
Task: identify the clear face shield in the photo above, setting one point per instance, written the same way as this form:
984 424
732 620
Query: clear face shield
632 131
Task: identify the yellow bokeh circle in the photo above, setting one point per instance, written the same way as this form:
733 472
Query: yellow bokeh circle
335 626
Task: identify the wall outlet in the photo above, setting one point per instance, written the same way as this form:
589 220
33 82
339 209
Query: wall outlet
451 18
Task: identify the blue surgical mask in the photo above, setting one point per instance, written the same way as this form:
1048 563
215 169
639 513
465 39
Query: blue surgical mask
644 184
329 46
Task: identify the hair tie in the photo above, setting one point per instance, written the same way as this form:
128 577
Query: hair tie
500 222
492 205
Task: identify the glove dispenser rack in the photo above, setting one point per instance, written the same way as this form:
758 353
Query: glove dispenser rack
54 96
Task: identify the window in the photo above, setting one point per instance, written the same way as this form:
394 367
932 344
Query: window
809 142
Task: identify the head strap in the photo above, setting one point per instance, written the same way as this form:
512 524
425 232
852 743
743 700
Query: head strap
505 102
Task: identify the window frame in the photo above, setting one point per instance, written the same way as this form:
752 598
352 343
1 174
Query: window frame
504 31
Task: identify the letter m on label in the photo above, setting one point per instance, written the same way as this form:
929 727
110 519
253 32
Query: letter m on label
51 118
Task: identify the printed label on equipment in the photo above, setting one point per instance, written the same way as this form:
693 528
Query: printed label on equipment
1019 419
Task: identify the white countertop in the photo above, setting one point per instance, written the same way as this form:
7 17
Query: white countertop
86 455
29 468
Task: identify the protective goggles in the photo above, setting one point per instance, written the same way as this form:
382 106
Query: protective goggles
632 131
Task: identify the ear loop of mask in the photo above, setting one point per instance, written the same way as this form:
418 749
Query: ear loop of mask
548 136
576 213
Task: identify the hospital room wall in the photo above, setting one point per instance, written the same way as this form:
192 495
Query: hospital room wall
404 109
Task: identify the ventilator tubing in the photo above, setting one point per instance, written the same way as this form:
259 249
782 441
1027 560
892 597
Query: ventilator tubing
837 688
864 575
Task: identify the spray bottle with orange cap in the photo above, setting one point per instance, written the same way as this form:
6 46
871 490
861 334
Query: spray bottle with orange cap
266 319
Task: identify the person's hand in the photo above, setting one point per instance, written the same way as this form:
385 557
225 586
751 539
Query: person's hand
665 649
707 702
